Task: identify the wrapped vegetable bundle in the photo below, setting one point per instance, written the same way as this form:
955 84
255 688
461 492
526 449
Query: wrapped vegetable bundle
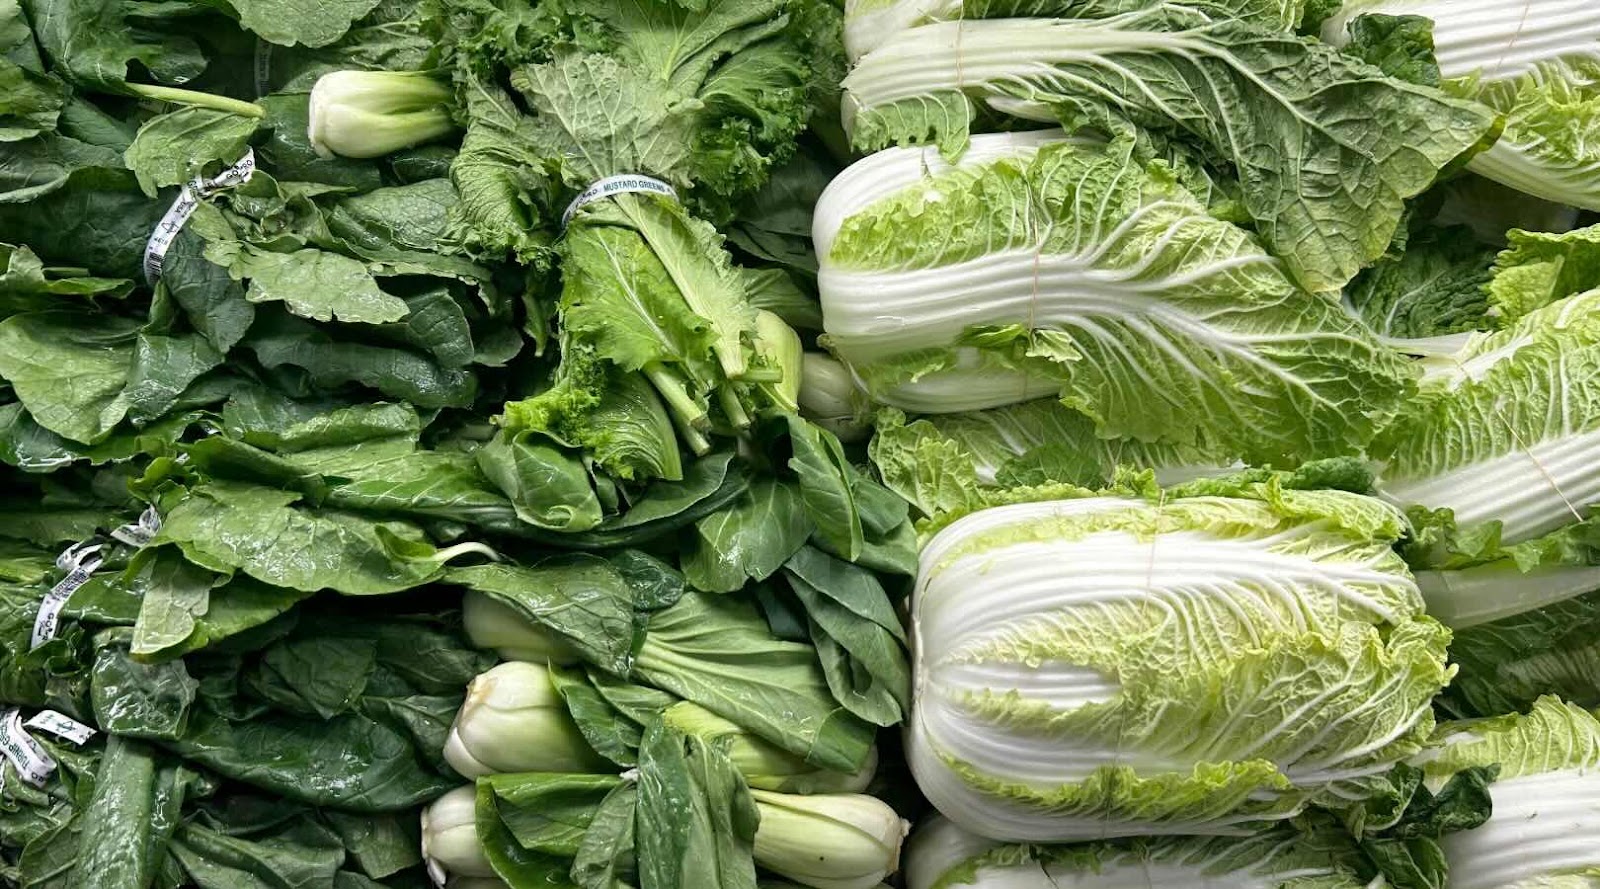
702 801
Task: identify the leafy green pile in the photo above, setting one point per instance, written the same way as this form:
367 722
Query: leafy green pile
285 404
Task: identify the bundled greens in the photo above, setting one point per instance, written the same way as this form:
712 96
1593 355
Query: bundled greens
309 382
704 804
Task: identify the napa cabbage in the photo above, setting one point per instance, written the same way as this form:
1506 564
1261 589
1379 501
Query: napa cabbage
1546 799
1326 148
1536 64
1497 460
941 855
1040 265
1208 659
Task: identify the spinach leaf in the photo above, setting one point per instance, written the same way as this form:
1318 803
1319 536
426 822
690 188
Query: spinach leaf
227 526
69 370
329 363
549 487
583 598
749 540
171 148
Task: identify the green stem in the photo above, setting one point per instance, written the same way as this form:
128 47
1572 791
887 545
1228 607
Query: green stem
762 375
469 548
197 99
733 408
683 406
696 440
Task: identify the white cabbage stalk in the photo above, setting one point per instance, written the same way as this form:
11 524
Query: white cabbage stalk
514 720
828 841
1501 451
1470 597
880 176
450 835
373 113
492 625
1494 39
1280 116
868 23
1508 427
764 765
1042 266
1113 667
940 855
1537 63
830 398
1546 799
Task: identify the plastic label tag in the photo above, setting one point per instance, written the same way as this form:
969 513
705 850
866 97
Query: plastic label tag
188 200
138 534
30 760
263 66
615 185
79 561
61 725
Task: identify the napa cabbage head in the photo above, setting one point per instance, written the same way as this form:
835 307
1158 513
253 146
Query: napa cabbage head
1210 659
868 24
1538 65
941 855
1497 460
1546 798
1040 265
1226 79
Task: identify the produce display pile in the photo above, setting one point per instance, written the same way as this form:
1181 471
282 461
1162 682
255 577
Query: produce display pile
720 444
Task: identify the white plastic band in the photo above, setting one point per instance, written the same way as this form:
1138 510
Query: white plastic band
139 533
615 185
61 725
155 250
31 761
263 66
79 561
